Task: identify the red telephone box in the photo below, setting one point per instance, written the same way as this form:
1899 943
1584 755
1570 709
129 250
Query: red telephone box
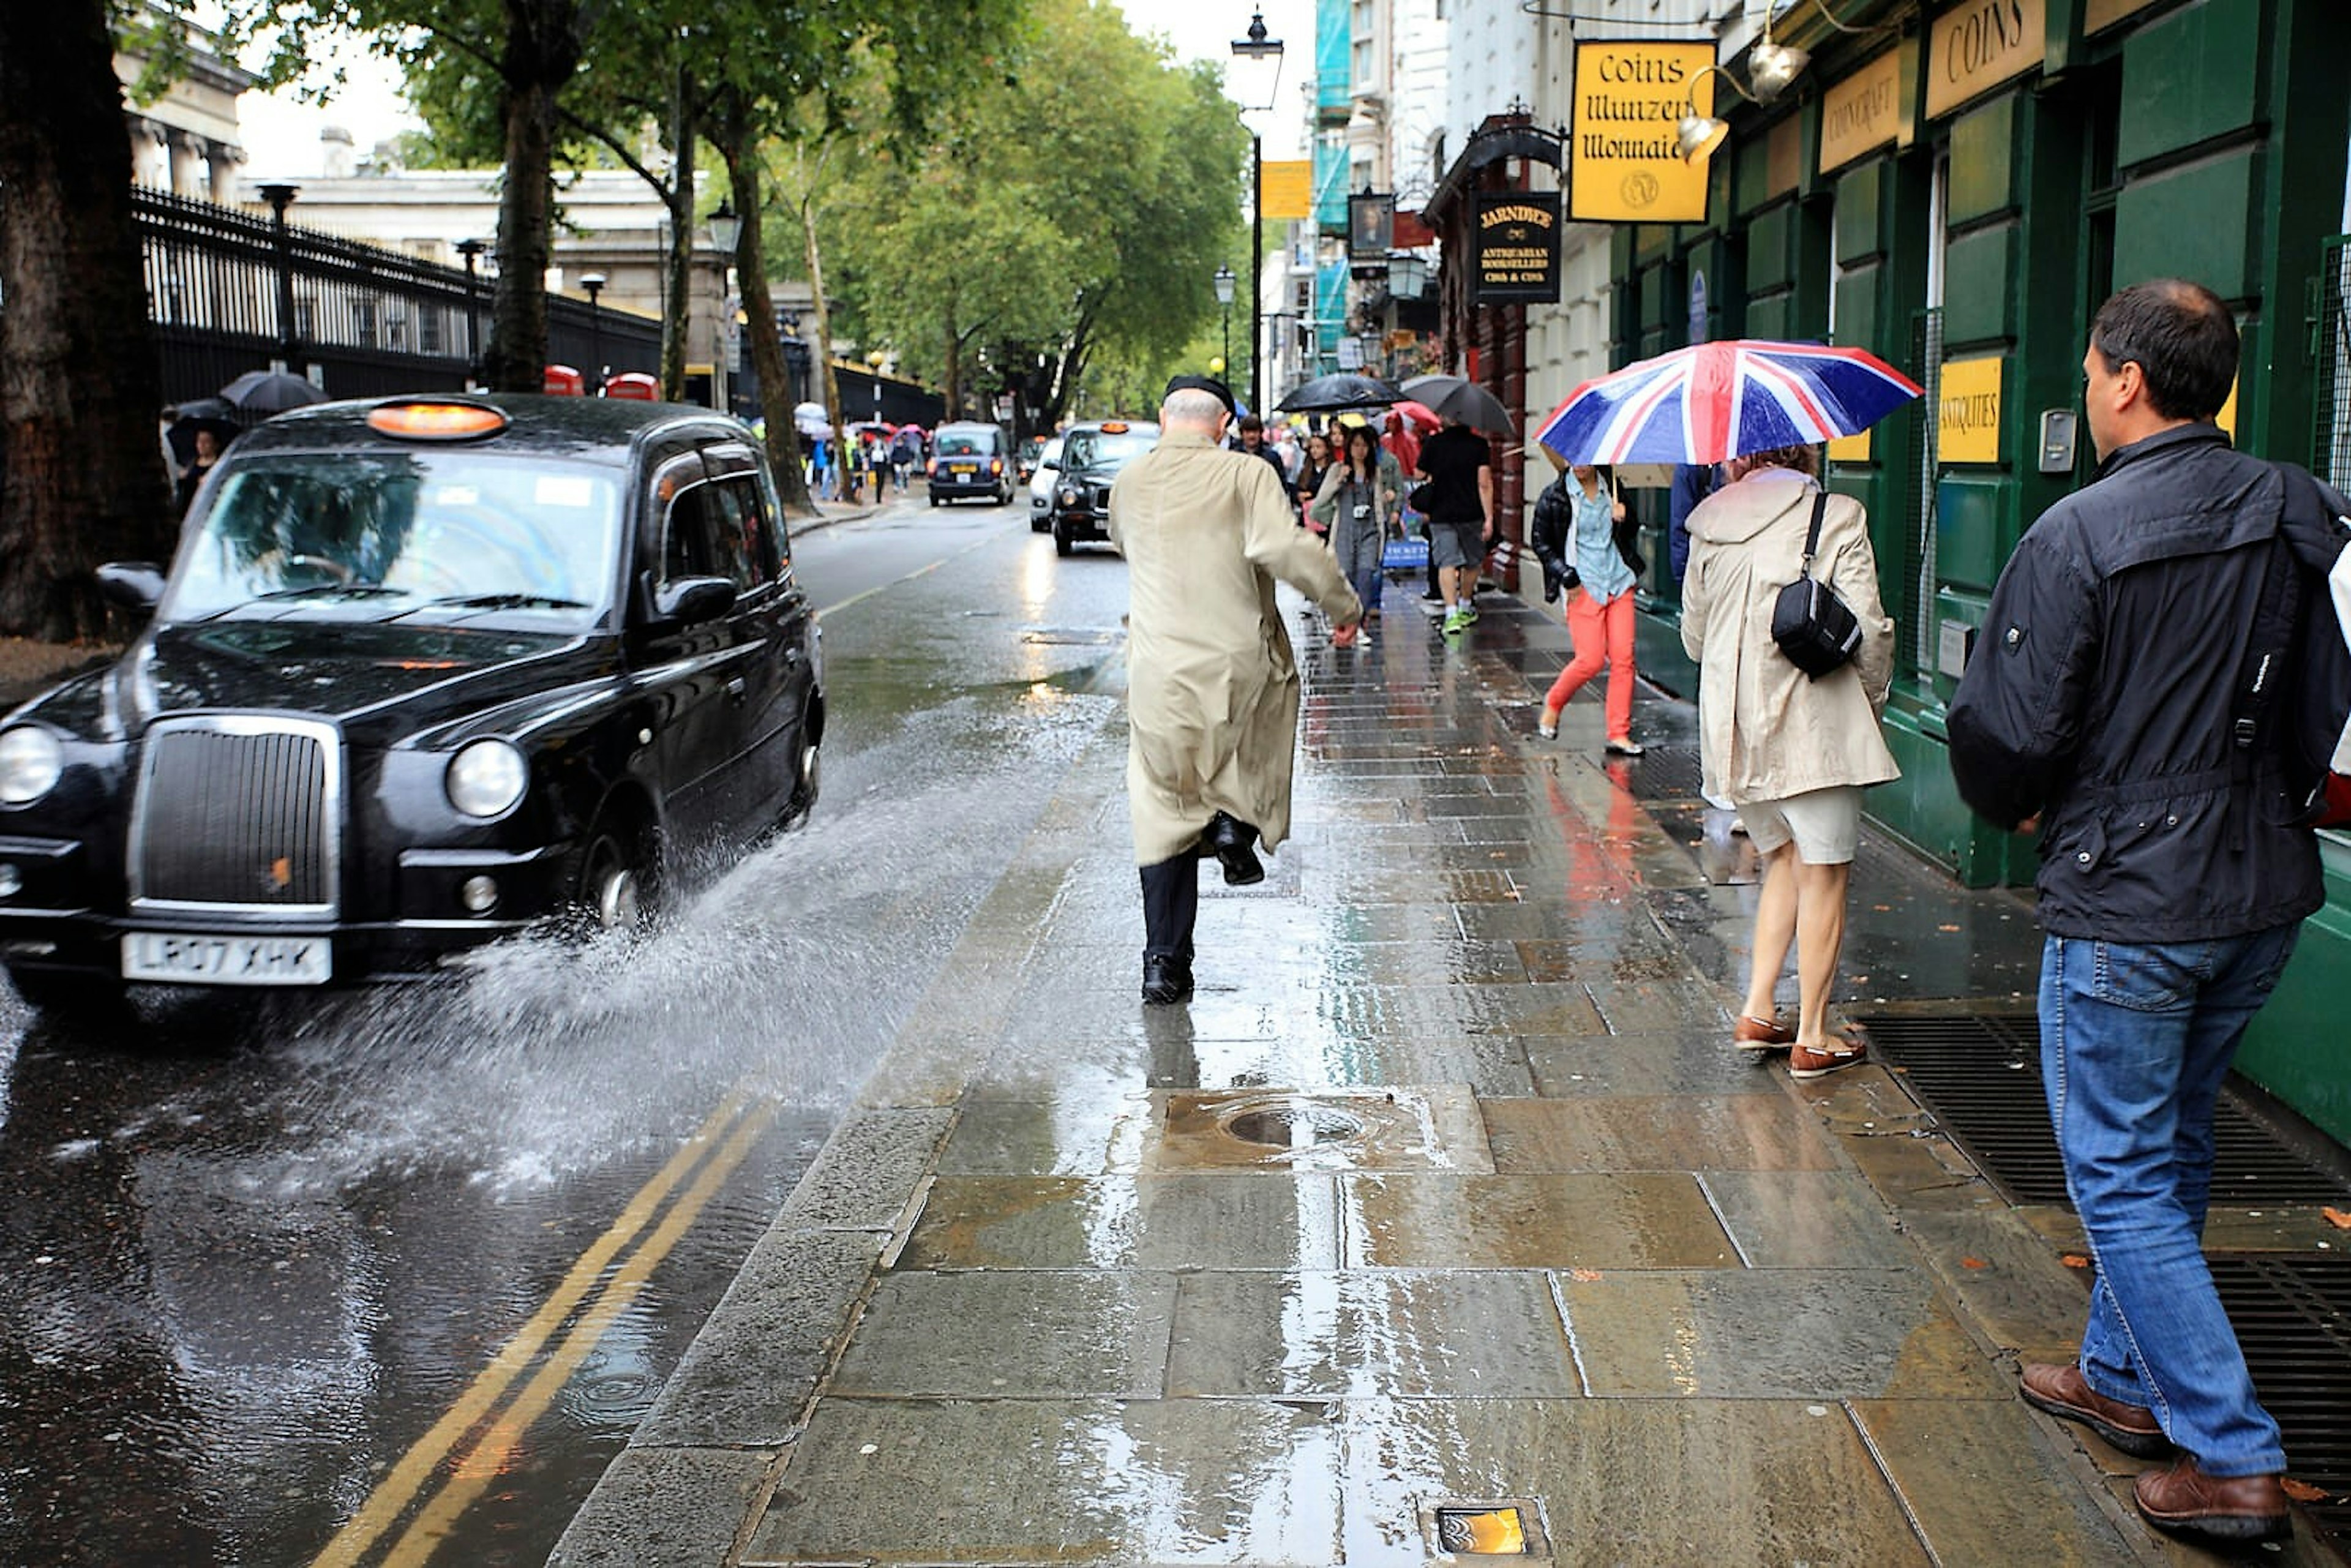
635 385
562 380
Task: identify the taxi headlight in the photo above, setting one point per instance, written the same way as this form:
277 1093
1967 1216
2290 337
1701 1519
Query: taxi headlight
1071 496
487 777
30 761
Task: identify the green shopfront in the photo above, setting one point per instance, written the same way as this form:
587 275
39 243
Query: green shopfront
1956 186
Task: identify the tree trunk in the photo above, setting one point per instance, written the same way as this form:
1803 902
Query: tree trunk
740 149
542 48
823 318
678 296
80 380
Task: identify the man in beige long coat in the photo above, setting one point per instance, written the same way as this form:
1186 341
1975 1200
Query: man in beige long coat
1212 687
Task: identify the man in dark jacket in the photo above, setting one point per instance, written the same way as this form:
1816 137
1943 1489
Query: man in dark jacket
2100 707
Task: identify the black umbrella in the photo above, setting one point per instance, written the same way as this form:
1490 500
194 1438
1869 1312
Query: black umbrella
1450 397
264 392
1346 390
213 414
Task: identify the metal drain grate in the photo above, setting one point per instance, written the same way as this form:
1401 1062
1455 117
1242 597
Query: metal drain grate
2293 1315
1980 1076
1664 773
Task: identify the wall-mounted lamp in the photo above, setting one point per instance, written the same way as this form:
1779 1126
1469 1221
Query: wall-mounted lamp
1772 67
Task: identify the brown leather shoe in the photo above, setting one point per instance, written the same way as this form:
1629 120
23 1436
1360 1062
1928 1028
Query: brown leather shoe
1752 1033
2234 1510
2064 1393
1803 1061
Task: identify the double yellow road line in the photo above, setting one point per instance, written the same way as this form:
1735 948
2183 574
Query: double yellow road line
470 1446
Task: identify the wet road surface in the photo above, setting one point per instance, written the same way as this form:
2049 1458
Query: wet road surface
390 1277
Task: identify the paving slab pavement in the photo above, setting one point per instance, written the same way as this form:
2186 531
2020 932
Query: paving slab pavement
1444 1208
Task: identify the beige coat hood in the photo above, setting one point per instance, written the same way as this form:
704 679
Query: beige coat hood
1766 730
1212 686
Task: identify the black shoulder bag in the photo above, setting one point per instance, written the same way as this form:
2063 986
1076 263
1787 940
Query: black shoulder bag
1811 623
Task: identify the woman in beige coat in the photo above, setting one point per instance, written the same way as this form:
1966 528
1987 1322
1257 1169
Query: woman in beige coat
1791 753
1212 686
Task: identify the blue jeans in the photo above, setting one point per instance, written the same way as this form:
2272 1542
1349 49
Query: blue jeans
2134 1042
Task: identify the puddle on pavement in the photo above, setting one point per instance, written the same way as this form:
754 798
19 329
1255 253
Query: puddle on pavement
1435 1128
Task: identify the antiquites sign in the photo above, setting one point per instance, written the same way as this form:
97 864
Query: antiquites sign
1966 418
1979 45
1516 253
1630 95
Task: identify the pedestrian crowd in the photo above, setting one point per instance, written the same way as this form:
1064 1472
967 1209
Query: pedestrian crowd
2124 705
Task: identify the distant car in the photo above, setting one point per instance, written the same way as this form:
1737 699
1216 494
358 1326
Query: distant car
1040 486
1025 461
970 460
1092 455
425 672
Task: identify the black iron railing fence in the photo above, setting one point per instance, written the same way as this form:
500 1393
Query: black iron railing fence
371 319
2330 447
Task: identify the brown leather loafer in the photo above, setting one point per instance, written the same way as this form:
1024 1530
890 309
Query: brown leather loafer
2232 1510
1752 1033
2064 1393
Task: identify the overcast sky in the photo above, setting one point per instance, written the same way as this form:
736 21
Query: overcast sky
281 135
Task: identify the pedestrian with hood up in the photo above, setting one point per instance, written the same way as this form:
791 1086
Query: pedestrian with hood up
2105 707
1212 685
1793 753
1589 545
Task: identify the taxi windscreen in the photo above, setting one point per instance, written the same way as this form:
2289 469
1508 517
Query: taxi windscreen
413 535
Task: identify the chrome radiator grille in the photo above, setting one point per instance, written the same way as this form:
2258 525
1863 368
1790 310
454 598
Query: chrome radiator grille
242 812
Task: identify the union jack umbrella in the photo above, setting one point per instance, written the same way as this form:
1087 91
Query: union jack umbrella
1713 400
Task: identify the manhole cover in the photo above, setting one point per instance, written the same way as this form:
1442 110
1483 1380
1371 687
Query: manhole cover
1293 1125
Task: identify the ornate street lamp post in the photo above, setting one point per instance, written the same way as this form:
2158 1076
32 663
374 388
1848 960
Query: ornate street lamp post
1256 47
593 282
1225 298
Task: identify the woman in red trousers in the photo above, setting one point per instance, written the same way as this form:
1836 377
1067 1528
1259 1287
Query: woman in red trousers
1587 545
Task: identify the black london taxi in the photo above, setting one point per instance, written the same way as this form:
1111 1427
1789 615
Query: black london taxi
970 459
1092 455
423 673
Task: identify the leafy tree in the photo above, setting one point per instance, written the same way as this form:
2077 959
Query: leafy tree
1078 206
79 382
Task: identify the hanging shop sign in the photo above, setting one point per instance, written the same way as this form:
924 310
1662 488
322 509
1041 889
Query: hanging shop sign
1371 224
2099 14
1630 95
1967 422
1863 112
1289 188
1516 253
1980 45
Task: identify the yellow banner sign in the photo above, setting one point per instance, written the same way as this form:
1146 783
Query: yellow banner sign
1850 448
1967 426
1630 94
2102 14
1288 187
1863 112
1979 46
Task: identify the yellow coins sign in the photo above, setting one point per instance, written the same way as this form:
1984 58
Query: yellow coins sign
1630 95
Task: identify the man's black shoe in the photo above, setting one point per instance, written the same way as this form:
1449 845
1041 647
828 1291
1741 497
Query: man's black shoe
1166 979
1231 838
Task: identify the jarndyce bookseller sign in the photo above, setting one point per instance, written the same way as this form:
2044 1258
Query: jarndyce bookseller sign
1516 252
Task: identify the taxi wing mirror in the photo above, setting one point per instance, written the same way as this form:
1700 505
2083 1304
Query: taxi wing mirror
135 585
1050 463
691 601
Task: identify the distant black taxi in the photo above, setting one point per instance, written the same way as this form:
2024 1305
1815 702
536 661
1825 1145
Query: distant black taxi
1092 455
970 459
423 673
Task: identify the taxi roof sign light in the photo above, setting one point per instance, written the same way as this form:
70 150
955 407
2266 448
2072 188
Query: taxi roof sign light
427 421
1114 427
